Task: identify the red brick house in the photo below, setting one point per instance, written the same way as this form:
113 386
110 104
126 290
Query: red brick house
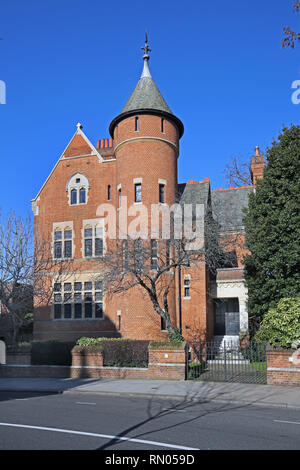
139 161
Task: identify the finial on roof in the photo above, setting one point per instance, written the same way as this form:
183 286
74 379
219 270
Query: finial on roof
257 151
146 58
79 126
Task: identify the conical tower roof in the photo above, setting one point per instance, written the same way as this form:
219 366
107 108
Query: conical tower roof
146 98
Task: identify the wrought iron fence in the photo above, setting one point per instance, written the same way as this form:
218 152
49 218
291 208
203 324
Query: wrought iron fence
227 361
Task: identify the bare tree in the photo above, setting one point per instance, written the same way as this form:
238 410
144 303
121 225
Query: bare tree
152 264
25 260
291 36
237 172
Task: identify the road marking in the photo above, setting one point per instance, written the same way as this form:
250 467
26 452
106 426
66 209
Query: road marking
177 411
105 436
287 422
84 403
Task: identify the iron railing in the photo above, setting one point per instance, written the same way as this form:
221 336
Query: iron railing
227 361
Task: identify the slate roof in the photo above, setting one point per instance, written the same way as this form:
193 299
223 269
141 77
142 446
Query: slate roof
228 205
146 95
194 193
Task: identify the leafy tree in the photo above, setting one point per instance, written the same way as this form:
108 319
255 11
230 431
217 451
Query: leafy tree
281 325
272 225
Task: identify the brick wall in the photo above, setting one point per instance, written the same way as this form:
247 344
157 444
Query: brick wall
167 364
26 371
164 363
283 367
18 357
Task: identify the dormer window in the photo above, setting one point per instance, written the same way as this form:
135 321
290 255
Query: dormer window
77 189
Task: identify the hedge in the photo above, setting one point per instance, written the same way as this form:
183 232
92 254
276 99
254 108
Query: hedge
117 352
51 353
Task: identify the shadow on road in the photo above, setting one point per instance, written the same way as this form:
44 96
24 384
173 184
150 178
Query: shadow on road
169 406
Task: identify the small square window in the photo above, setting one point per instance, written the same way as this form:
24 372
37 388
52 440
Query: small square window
57 235
88 232
98 285
78 286
68 234
57 298
67 297
77 180
88 297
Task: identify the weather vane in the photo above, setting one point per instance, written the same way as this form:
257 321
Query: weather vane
146 48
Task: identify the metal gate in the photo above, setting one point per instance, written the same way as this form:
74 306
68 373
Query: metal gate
227 362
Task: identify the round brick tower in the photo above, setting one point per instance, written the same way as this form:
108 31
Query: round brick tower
146 140
146 143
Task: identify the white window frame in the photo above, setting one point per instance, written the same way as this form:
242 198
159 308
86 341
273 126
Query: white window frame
74 185
93 224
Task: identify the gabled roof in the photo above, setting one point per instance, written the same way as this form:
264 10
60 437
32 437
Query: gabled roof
227 205
79 146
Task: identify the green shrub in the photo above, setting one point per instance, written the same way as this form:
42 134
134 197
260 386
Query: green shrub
167 344
281 325
117 352
255 352
176 336
52 353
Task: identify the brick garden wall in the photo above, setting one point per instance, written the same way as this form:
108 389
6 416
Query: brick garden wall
283 367
164 363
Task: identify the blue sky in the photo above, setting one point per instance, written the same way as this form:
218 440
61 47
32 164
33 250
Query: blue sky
219 66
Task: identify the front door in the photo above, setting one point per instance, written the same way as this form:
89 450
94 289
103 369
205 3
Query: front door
226 317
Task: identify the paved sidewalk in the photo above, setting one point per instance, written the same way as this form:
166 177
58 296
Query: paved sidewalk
250 394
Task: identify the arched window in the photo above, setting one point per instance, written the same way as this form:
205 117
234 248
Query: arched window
73 196
77 189
82 196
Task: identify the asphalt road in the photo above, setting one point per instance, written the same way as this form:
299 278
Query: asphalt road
73 421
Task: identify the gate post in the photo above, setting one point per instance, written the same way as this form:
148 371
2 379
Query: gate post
2 352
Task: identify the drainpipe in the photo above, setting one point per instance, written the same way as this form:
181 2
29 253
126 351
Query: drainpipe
180 307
